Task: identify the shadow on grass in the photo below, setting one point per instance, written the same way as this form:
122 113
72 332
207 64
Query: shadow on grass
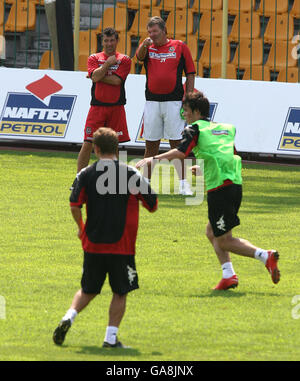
95 350
233 294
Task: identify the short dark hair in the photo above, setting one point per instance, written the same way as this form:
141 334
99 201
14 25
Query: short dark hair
109 32
106 139
155 20
197 101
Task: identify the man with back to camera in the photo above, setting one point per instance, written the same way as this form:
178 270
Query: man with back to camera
165 60
214 143
111 191
108 71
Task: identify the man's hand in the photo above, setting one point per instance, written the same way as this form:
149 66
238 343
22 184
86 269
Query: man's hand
147 42
143 162
111 60
196 170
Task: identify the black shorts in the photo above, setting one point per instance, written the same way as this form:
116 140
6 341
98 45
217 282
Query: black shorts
223 206
120 268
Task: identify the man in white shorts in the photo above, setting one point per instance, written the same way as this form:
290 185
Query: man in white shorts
165 60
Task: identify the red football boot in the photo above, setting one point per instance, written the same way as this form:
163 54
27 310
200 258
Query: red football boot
271 265
226 283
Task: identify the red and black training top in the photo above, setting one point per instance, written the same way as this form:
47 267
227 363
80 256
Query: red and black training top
111 191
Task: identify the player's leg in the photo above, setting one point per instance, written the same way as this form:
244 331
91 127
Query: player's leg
123 278
93 277
152 132
116 119
173 127
84 155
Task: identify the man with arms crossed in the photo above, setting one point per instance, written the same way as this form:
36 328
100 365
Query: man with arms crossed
108 71
111 191
165 60
214 143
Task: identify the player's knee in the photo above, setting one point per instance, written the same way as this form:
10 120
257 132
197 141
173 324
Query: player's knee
224 242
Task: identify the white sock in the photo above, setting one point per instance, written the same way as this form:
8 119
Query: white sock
111 334
228 271
262 255
182 182
71 314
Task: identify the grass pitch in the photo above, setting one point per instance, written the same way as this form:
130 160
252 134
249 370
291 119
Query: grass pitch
174 315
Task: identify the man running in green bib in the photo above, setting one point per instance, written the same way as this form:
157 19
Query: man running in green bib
214 143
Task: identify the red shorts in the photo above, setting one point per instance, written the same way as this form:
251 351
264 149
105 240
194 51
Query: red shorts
106 116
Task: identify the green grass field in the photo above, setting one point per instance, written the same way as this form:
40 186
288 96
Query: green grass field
174 315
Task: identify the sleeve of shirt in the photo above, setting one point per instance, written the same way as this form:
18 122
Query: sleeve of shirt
189 63
189 139
92 64
78 195
124 68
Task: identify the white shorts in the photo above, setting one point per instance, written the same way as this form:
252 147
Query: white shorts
162 120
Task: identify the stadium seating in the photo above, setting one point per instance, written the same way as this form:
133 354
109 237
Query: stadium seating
201 6
137 67
136 4
282 54
212 52
295 11
124 44
193 44
141 18
216 71
1 14
245 25
269 7
170 5
280 27
82 62
179 24
291 74
47 60
87 42
114 17
210 25
22 16
257 73
248 52
239 6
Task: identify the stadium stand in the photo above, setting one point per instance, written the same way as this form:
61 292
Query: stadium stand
245 25
216 71
141 18
82 62
295 11
87 42
240 6
280 27
114 17
1 14
212 52
171 5
199 68
179 24
135 4
201 6
282 55
290 74
257 73
193 44
248 52
47 60
22 16
210 24
269 7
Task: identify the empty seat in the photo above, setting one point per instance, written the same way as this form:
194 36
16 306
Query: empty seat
280 27
171 5
200 6
291 74
212 52
22 16
282 54
179 23
257 73
136 4
193 44
245 25
269 7
124 44
236 6
82 62
216 71
295 11
116 18
141 19
47 60
88 42
248 52
210 25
